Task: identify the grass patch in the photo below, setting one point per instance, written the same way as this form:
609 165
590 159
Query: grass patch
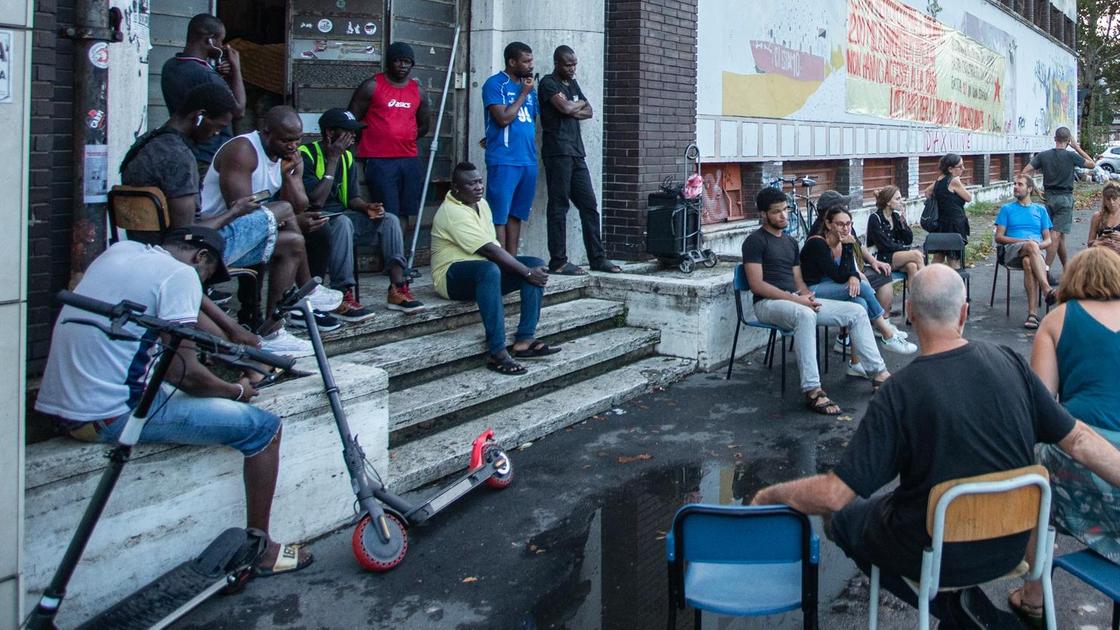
1086 194
983 209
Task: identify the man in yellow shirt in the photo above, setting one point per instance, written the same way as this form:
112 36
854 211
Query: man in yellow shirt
469 264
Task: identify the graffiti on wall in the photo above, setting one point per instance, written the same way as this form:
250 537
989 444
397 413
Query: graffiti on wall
1054 86
784 62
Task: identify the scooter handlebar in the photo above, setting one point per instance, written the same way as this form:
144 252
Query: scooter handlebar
134 312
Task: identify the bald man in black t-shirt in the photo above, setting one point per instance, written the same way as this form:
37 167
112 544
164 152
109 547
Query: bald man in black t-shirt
960 409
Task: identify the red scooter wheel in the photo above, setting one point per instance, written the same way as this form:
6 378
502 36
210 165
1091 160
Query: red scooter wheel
373 554
503 473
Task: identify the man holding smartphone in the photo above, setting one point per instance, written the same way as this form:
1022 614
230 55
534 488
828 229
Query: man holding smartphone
331 181
205 59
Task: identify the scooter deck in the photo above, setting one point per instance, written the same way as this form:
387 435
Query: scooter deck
179 590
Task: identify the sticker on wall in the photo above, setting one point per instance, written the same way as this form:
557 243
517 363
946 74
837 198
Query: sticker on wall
5 66
95 118
325 25
96 177
370 28
99 55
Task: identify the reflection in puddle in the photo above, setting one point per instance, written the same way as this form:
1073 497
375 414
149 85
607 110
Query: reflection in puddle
616 545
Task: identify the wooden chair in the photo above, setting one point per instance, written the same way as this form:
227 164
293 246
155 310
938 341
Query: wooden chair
142 212
982 508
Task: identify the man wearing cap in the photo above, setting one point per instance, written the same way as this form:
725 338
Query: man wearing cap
92 383
395 109
331 181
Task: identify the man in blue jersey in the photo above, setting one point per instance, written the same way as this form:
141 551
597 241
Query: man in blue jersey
511 151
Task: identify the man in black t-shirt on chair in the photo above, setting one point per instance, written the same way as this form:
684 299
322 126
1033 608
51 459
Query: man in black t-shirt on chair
960 409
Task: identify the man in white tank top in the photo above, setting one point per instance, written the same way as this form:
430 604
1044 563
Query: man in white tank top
268 160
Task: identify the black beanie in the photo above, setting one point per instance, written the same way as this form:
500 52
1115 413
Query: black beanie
400 50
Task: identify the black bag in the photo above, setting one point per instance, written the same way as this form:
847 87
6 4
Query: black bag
930 213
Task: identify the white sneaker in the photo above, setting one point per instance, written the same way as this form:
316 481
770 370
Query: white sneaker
857 369
286 344
899 345
901 334
324 299
842 344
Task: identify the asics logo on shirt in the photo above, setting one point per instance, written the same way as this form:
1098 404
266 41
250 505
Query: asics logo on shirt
399 104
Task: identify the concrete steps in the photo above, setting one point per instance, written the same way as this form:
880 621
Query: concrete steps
440 314
423 353
477 386
415 463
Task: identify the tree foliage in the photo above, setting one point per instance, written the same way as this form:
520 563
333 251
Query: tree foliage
1098 67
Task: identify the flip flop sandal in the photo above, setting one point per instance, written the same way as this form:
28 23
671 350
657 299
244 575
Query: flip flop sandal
1051 297
1032 615
569 270
287 561
1032 322
820 404
607 268
506 366
536 349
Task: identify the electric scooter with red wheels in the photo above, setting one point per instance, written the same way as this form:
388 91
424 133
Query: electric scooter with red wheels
380 539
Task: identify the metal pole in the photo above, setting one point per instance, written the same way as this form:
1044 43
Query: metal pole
435 143
95 26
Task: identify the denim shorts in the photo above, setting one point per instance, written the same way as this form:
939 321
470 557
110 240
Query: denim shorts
183 419
250 239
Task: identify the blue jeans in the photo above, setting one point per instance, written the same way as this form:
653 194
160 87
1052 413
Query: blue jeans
250 239
485 283
830 290
183 419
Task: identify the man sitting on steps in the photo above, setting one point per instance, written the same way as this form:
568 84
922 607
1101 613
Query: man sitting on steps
468 263
331 181
92 383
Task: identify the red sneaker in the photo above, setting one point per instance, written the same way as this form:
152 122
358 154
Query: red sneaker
351 310
400 299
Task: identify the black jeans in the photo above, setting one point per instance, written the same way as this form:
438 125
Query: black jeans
570 181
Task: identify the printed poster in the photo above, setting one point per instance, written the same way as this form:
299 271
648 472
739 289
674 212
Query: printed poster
905 65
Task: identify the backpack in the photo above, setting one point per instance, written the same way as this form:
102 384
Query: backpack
929 220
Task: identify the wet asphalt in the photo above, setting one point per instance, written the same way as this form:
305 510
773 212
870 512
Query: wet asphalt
577 541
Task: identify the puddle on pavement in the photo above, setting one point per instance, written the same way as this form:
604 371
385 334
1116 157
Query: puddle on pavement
616 547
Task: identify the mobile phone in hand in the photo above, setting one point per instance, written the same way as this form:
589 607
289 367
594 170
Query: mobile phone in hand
261 195
328 215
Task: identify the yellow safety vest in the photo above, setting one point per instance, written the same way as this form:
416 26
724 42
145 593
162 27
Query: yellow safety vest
321 166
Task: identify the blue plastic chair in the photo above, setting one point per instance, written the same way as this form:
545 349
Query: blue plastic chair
742 287
742 561
1091 568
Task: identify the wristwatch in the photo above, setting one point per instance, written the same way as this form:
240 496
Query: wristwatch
330 177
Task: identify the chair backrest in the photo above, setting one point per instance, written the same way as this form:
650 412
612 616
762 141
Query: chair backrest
989 506
141 211
740 282
741 534
943 242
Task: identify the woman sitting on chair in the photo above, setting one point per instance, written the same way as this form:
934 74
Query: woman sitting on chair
888 232
1077 356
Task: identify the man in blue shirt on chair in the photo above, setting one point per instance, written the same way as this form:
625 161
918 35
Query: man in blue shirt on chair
961 409
1023 228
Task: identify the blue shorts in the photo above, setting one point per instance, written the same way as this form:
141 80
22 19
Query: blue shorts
510 191
183 419
250 239
396 183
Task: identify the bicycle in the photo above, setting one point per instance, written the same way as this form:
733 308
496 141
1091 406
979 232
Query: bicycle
799 224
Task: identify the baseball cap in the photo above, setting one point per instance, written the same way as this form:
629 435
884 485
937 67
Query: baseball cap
830 199
204 238
339 118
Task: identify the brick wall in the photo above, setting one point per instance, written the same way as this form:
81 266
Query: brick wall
649 110
51 162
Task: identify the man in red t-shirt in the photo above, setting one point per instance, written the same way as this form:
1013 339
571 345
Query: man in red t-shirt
396 113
